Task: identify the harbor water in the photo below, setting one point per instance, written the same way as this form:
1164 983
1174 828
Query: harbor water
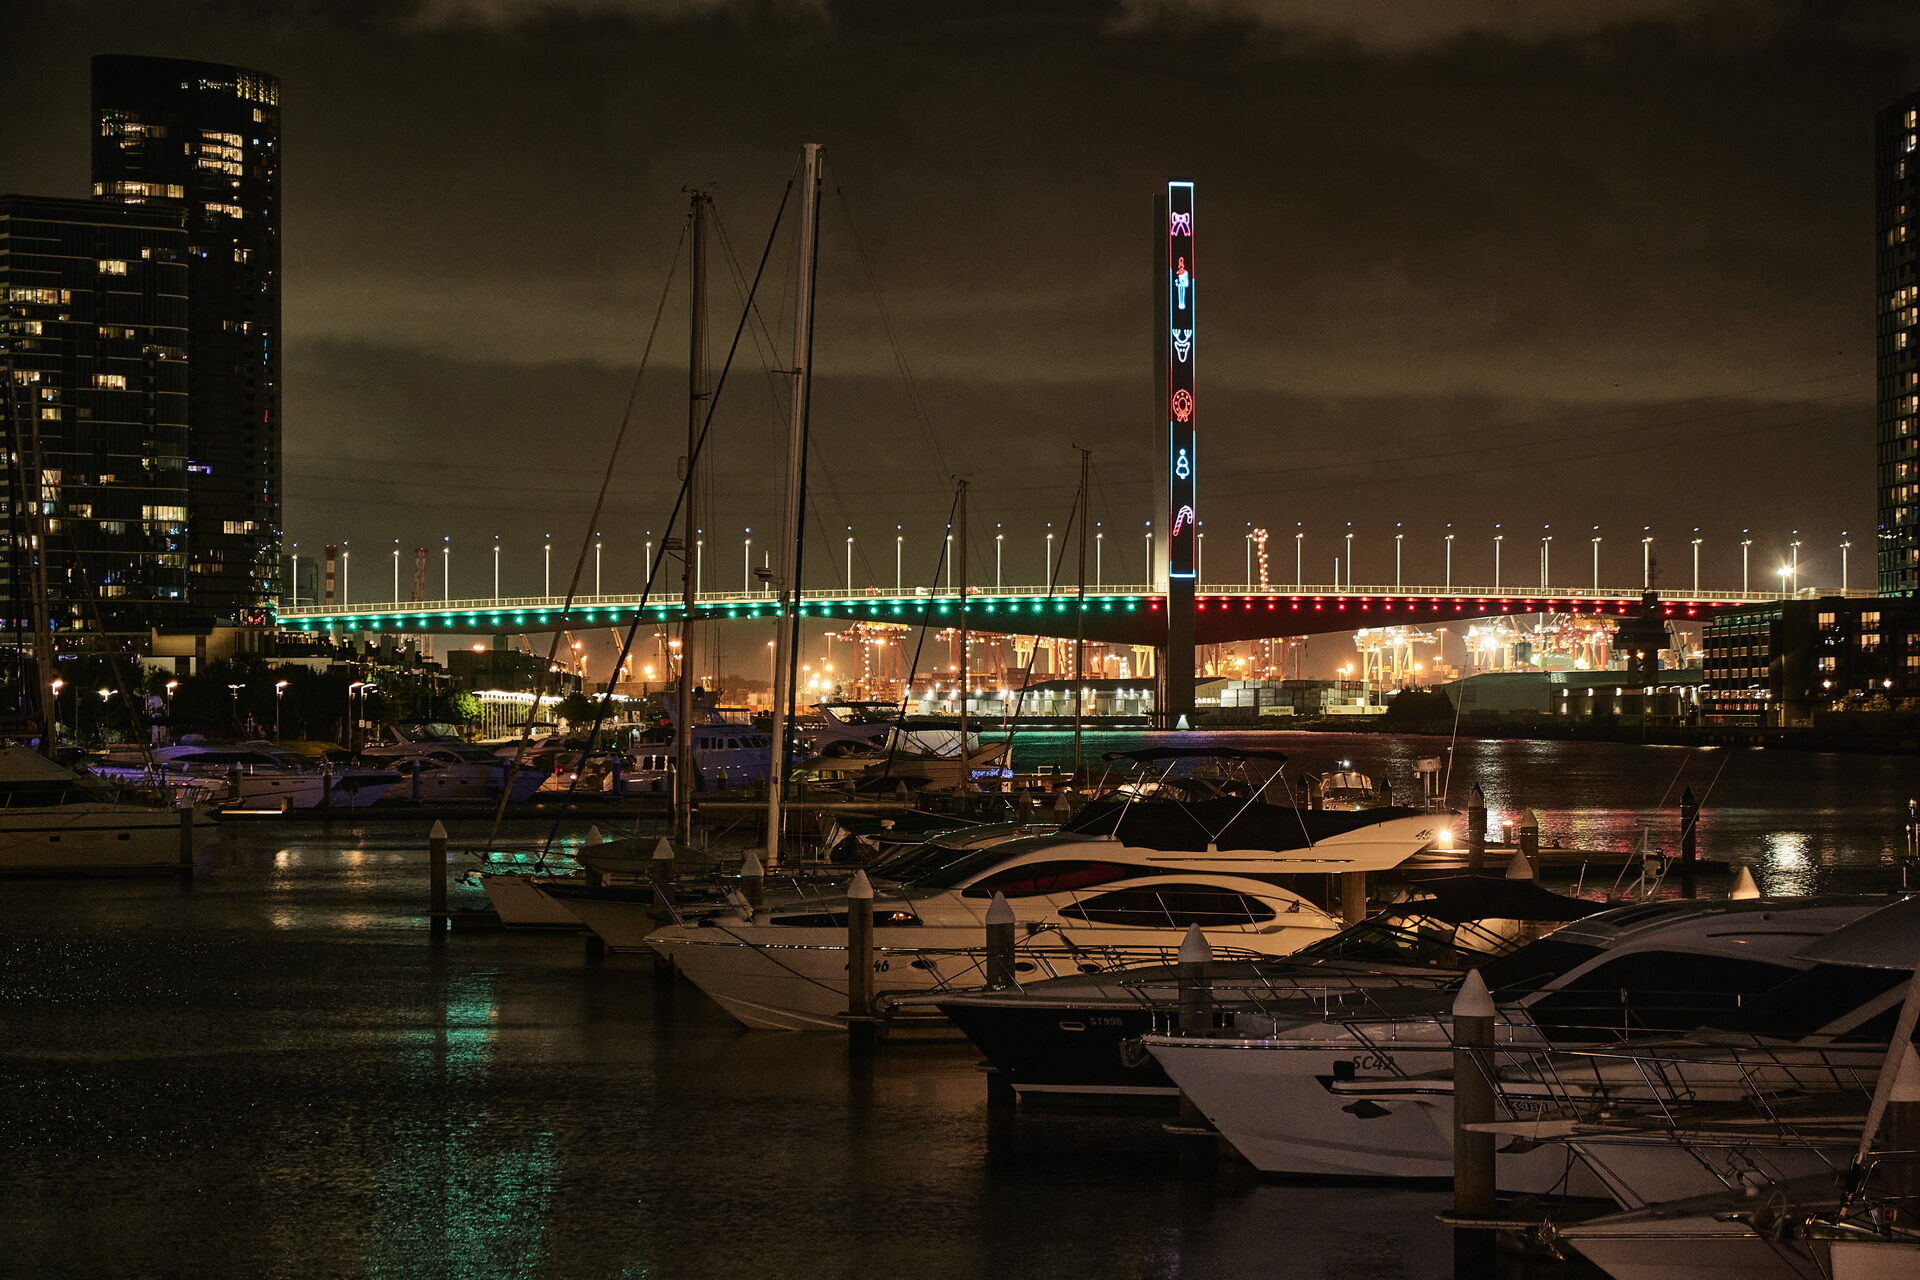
272 1072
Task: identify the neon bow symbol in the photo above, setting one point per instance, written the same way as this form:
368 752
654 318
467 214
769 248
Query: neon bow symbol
1180 224
1182 519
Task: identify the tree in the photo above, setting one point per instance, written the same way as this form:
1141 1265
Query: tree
576 708
1419 706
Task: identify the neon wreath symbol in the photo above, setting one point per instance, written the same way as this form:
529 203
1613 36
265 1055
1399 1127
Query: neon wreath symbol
1183 404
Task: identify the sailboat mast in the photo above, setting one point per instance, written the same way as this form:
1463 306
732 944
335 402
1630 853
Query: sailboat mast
684 777
966 635
787 625
1080 624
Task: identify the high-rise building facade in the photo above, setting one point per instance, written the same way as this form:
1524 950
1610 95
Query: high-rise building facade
1897 344
203 140
93 363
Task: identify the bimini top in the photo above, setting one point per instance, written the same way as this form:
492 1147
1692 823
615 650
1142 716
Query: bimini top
1145 754
1462 899
1226 822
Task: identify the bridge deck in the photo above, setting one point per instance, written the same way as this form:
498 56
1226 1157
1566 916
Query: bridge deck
1126 614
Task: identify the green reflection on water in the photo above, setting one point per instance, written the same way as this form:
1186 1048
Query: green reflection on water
465 1194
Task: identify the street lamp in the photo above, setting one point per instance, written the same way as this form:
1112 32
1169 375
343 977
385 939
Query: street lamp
1149 538
1794 546
999 557
279 695
746 562
1646 557
899 552
1349 560
546 565
496 566
396 571
596 564
1596 559
1786 571
446 566
346 554
1299 536
949 555
1696 562
1844 544
1449 551
1048 579
1745 546
1398 537
293 573
1248 536
1546 556
849 557
1498 538
1099 554
233 694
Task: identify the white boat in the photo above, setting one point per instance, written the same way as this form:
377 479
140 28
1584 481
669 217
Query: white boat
247 775
52 820
1265 1086
924 754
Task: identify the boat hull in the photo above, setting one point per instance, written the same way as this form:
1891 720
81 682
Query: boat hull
1062 1050
77 839
1702 1247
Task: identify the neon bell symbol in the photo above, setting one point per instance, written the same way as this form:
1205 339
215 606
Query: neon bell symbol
1182 344
1180 282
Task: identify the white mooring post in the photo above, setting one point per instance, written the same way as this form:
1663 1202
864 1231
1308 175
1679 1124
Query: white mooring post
1473 1104
437 920
860 1029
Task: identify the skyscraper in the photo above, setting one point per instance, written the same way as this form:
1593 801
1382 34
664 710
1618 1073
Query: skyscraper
1897 343
203 140
93 361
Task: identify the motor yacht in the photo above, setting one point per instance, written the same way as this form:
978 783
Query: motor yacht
247 775
1648 969
1072 1035
53 820
930 755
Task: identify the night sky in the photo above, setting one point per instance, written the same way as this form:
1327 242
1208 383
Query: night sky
1459 260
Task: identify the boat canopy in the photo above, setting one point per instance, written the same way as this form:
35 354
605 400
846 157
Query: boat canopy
1885 939
1225 822
1460 899
23 764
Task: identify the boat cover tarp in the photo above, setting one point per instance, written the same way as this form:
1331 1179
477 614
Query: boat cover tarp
23 764
1227 822
1462 899
1145 754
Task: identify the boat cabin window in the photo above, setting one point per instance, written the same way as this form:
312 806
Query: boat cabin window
1519 972
941 866
1047 877
42 795
1652 991
1404 942
1822 996
1171 906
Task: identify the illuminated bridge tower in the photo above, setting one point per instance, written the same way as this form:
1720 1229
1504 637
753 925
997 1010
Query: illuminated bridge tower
1176 354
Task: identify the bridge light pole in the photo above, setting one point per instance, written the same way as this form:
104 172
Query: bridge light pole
1646 557
396 570
1596 559
1795 548
446 566
1248 538
1199 551
546 565
1696 562
1099 549
949 556
346 554
849 557
1398 539
1844 544
1299 540
899 552
1048 576
699 561
746 561
596 564
1449 551
1785 571
1349 558
1746 545
1149 537
999 557
1546 556
496 567
1498 538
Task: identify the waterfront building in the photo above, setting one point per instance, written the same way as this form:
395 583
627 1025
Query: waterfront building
1897 342
94 345
1780 664
202 141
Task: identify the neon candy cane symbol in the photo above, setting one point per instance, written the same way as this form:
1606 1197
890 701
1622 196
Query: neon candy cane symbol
1183 519
1182 404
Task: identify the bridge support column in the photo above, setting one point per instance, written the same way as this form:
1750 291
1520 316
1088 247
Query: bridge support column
1176 660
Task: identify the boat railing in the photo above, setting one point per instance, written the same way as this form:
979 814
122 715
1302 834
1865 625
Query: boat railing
1754 1083
952 969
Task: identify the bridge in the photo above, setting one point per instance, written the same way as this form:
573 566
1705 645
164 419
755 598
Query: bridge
1120 614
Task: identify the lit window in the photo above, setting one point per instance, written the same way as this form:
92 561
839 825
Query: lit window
35 295
110 381
230 210
50 415
112 266
162 513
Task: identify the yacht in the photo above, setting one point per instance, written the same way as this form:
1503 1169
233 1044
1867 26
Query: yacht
53 820
1071 1035
1654 968
1117 886
247 775
933 755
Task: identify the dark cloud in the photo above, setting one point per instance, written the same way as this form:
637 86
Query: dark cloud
1462 261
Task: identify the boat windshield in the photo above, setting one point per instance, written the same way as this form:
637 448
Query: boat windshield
43 795
1419 941
943 867
1519 972
1823 996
